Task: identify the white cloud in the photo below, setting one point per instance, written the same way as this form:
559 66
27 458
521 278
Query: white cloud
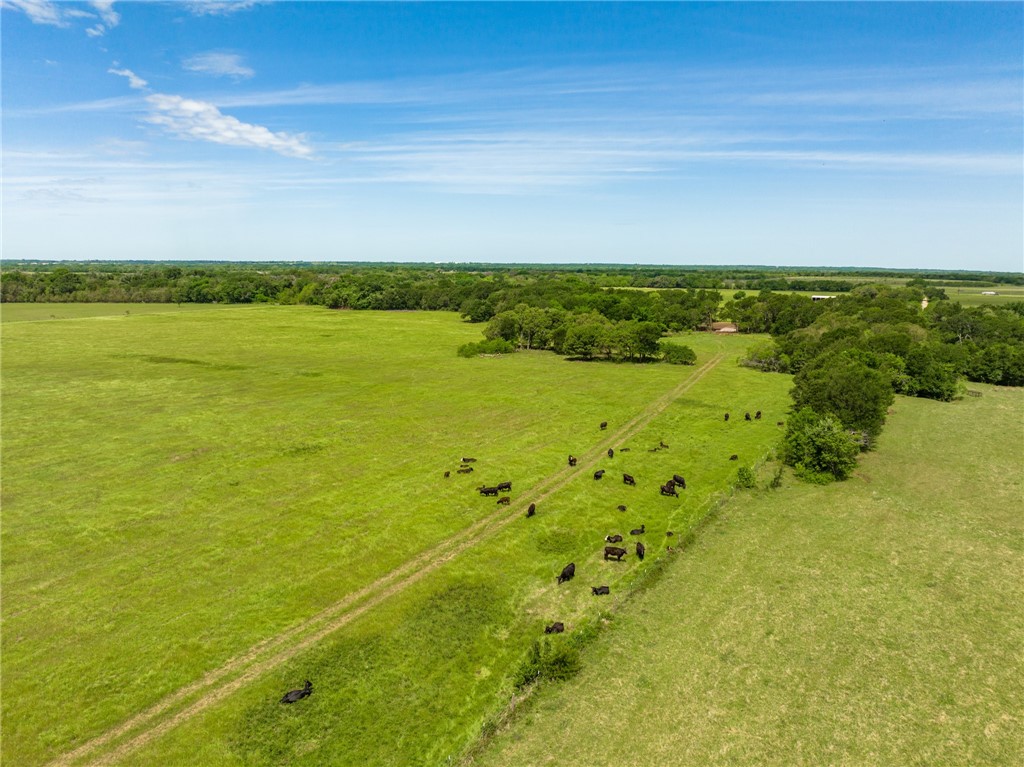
134 81
105 8
96 31
201 120
39 11
218 64
220 7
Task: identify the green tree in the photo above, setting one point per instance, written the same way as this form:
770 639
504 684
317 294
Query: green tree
818 447
840 385
677 354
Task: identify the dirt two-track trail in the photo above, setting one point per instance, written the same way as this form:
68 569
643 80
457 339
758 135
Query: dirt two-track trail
135 732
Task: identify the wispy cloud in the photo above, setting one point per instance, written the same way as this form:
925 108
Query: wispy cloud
39 11
220 7
189 118
218 64
134 81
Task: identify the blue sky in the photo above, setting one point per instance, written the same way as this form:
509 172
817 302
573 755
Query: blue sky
856 134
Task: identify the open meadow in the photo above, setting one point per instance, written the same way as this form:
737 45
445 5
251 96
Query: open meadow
871 622
203 509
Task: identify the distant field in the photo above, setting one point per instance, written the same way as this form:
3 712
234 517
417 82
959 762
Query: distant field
874 622
36 312
182 487
973 297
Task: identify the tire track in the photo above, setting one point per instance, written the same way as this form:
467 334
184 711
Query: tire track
286 645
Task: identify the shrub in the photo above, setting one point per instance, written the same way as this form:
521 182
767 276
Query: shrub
745 478
677 354
494 346
818 447
545 661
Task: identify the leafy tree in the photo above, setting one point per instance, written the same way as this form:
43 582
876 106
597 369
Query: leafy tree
818 447
677 354
840 385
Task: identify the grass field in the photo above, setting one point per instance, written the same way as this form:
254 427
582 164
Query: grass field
874 622
44 312
203 509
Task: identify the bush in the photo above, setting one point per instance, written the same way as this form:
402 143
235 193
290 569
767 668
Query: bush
495 346
746 478
545 661
819 448
677 354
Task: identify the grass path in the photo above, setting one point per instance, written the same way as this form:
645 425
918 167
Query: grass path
271 653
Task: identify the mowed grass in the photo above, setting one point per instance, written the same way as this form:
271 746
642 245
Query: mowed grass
874 622
44 312
179 487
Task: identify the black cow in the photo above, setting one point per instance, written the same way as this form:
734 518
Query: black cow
640 551
669 490
669 534
466 471
504 486
504 500
532 510
670 483
488 490
746 416
555 628
468 460
567 572
447 474
678 479
627 479
780 423
621 507
613 538
639 531
599 590
734 457
726 416
598 474
604 425
611 453
614 552
572 460
296 695
757 416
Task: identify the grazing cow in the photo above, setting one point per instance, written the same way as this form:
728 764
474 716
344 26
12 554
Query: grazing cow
504 485
671 483
734 457
669 490
639 531
726 416
627 479
447 474
604 425
466 471
613 538
611 453
678 479
488 491
641 550
621 507
532 510
746 416
567 572
598 474
614 552
780 423
572 460
599 590
469 460
555 628
504 501
669 533
296 695
757 416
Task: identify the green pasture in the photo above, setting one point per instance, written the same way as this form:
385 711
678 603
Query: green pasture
973 296
180 487
42 312
873 622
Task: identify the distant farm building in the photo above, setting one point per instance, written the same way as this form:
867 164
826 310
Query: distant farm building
989 293
820 298
724 327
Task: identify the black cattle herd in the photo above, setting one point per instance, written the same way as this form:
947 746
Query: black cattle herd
616 553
